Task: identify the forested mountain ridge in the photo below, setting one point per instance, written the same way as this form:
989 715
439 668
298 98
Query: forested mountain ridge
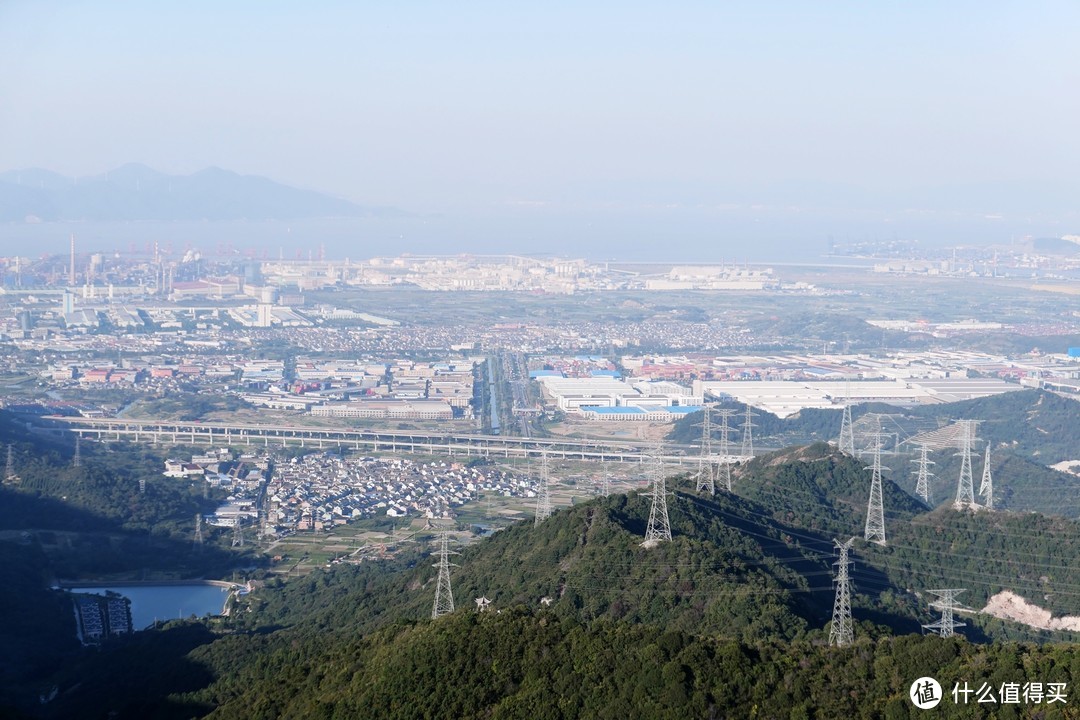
729 616
531 664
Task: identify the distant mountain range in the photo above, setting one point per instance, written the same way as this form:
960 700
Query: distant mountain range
135 192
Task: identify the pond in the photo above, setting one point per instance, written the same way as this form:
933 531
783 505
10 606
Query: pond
166 602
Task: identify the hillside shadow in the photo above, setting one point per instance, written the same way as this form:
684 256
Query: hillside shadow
80 543
138 677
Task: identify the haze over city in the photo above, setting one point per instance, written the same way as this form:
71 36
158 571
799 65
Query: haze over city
690 131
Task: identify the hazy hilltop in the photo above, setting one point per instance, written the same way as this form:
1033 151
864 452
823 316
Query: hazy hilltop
135 192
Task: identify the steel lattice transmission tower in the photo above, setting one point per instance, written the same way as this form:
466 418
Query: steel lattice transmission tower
875 511
841 632
923 474
76 461
198 530
659 528
986 487
543 495
706 474
748 432
946 626
444 596
847 434
965 488
264 520
725 447
238 532
9 472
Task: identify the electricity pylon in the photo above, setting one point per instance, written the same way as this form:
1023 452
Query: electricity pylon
706 474
946 626
198 530
543 494
659 528
725 447
986 487
965 488
847 435
841 632
875 511
76 461
748 432
9 473
238 532
923 474
444 596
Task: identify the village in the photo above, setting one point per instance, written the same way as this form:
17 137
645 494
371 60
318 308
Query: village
321 491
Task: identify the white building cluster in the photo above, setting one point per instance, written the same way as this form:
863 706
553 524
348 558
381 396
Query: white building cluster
321 490
610 398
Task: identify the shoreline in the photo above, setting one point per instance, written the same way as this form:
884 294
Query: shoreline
71 584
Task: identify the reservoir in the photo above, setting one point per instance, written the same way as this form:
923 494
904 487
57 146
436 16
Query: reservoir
166 602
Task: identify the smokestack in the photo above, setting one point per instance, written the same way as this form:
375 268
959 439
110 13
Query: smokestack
71 271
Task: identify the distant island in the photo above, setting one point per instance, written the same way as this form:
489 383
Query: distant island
135 192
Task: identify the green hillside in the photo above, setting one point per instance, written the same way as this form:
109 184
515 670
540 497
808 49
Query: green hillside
731 615
531 664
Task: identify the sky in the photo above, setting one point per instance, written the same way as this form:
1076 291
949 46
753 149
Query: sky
698 124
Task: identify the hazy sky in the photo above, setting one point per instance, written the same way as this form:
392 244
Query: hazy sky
852 114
